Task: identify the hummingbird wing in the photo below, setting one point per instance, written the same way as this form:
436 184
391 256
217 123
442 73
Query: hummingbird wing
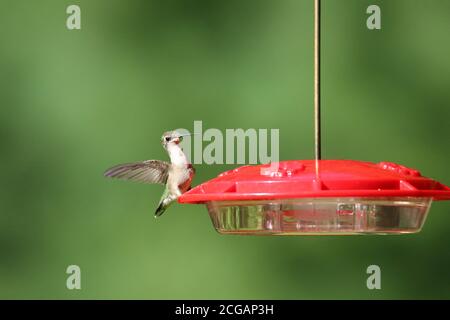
149 171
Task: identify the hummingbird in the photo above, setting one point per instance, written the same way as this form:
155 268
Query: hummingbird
176 175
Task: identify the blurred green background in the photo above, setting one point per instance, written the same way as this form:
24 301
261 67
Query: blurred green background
73 103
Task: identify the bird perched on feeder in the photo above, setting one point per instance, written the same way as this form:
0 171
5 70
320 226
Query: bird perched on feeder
176 175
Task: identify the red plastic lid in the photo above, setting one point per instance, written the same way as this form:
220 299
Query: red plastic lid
298 179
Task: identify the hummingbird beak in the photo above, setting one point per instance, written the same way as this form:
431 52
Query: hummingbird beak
178 139
189 134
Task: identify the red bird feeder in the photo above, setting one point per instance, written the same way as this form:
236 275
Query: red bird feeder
346 197
318 196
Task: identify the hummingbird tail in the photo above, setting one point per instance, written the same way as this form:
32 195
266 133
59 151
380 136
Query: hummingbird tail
166 200
160 210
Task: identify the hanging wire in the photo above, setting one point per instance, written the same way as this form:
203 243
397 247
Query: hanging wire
317 137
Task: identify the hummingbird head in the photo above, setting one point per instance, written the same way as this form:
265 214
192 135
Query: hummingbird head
171 137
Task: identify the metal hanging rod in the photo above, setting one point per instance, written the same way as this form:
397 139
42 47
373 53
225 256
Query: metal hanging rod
317 135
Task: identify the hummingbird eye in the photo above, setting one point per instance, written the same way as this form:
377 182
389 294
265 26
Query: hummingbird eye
167 139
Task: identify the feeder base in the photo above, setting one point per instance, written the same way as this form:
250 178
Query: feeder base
321 216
